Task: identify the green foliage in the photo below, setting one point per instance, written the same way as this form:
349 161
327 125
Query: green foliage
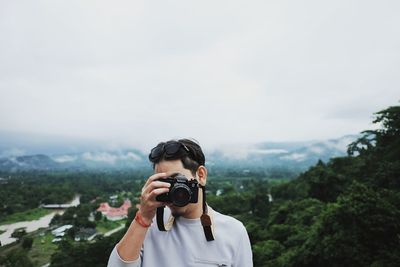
97 216
84 254
358 230
19 195
77 216
229 203
17 257
131 216
27 242
380 151
266 251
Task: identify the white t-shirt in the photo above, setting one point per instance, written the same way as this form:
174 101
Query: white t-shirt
185 245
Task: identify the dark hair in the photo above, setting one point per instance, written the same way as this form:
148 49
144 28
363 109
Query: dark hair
191 159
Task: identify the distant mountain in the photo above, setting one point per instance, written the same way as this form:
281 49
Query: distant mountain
33 162
296 156
79 161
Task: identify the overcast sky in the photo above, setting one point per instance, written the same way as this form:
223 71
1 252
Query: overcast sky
137 72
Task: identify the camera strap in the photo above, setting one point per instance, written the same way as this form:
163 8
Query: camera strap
205 219
160 220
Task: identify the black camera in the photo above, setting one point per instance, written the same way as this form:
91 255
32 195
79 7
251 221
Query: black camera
181 192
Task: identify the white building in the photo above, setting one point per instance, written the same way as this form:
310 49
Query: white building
60 231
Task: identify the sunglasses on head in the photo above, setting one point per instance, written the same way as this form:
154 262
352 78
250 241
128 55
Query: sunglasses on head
169 149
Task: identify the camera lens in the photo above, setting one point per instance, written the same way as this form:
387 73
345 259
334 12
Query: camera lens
180 195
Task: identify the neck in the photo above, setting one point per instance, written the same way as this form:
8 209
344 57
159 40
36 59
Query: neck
195 213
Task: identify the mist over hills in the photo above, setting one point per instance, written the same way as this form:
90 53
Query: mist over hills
18 155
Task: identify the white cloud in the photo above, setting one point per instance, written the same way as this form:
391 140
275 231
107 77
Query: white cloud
64 158
100 157
243 151
316 149
138 72
268 151
295 157
238 151
110 158
131 156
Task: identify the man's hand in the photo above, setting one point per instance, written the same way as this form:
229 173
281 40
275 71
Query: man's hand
129 246
148 202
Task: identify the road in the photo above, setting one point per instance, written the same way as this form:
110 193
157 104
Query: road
115 230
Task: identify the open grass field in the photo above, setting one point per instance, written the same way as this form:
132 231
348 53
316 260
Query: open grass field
28 215
42 249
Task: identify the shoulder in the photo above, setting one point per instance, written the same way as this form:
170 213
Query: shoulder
226 219
228 225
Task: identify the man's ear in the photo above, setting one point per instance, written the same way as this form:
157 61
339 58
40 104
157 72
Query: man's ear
202 174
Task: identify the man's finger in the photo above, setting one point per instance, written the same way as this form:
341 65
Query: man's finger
155 177
155 184
157 192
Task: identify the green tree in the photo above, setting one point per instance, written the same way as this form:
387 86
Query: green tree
27 242
97 216
361 229
17 257
266 251
380 149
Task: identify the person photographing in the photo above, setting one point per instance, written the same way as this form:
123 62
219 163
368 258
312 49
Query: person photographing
174 226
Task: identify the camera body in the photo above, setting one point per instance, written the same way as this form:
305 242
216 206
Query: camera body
181 192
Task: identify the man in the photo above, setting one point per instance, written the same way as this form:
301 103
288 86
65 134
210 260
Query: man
195 234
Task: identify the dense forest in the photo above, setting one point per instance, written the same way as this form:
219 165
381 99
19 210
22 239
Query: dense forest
345 212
